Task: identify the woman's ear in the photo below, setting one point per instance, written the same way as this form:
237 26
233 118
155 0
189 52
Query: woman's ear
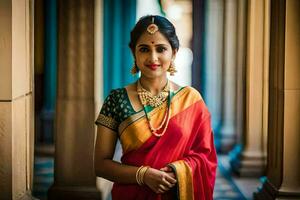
133 53
174 53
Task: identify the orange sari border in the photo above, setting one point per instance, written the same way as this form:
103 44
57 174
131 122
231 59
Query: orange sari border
184 179
130 130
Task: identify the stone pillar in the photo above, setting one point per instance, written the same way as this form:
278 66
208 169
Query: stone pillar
227 130
74 176
212 74
16 99
249 160
241 80
102 184
283 174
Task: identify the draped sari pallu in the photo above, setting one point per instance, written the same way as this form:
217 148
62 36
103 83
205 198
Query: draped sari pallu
187 147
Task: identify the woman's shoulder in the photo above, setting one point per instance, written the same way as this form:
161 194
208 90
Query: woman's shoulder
192 92
115 94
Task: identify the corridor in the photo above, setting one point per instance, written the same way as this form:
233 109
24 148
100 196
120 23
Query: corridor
59 60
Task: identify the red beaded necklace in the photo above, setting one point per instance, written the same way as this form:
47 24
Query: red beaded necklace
161 129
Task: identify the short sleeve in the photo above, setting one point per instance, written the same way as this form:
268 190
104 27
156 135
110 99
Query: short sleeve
108 115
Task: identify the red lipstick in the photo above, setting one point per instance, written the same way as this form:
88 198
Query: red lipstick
153 66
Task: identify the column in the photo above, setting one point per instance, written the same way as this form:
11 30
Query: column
74 176
16 99
102 184
249 160
227 129
283 174
212 73
241 80
50 65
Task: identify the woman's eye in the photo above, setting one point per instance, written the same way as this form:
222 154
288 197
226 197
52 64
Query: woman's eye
143 49
161 49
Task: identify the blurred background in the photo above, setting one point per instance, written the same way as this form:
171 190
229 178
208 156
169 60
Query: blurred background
241 55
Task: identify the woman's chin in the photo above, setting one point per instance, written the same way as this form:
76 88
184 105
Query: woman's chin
154 74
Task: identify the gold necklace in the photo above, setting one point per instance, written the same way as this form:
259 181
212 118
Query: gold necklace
145 101
147 98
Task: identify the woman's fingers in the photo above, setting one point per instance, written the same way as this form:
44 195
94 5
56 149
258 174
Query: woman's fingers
164 188
171 174
170 179
158 180
166 169
166 184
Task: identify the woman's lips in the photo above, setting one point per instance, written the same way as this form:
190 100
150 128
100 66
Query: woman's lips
153 66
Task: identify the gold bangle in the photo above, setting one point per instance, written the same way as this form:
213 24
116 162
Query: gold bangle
137 175
140 173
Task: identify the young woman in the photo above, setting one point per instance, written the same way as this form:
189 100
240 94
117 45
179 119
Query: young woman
164 129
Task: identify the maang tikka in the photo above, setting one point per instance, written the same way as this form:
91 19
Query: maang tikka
152 28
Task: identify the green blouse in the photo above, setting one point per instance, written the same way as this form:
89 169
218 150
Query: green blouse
115 109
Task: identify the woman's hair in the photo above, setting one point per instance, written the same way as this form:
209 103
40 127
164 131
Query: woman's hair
165 27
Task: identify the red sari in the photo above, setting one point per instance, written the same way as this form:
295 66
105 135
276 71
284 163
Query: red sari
187 146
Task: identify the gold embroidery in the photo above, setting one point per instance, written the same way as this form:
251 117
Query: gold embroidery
107 121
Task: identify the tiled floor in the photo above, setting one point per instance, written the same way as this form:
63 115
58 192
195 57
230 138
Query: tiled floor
226 188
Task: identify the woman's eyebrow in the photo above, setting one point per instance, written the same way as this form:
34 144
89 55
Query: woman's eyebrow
145 45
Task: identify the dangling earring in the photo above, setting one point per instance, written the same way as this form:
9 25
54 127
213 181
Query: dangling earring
172 69
134 69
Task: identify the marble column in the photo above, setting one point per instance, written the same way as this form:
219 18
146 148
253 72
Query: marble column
283 174
212 74
74 176
16 99
227 129
249 158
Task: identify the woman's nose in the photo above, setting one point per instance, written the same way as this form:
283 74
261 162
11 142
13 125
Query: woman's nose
153 56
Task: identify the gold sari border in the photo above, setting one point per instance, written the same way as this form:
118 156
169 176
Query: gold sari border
130 120
184 179
134 136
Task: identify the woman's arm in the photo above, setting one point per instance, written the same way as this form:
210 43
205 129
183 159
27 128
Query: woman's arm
105 167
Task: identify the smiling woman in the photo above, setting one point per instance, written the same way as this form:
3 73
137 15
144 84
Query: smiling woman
164 129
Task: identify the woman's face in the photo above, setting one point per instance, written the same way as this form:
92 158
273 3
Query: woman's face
153 54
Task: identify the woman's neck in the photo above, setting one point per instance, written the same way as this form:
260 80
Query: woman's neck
155 86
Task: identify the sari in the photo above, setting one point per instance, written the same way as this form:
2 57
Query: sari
187 147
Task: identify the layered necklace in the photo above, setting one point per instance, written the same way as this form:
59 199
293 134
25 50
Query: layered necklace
147 99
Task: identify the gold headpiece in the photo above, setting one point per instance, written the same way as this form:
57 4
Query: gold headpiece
152 28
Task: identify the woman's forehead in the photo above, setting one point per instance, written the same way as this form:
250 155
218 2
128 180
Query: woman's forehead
152 39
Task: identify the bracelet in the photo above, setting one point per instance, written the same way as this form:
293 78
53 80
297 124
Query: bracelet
140 173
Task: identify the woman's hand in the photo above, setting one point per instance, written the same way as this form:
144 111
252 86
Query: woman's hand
169 171
159 181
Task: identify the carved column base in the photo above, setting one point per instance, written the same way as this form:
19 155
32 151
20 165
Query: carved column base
246 164
74 193
270 192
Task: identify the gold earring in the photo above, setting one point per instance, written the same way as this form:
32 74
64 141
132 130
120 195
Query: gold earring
172 69
134 69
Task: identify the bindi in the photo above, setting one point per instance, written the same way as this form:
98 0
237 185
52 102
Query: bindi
152 42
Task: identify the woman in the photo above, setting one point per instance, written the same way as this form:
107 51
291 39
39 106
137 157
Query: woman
164 129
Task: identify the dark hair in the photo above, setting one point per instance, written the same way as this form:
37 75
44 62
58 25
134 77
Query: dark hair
165 27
